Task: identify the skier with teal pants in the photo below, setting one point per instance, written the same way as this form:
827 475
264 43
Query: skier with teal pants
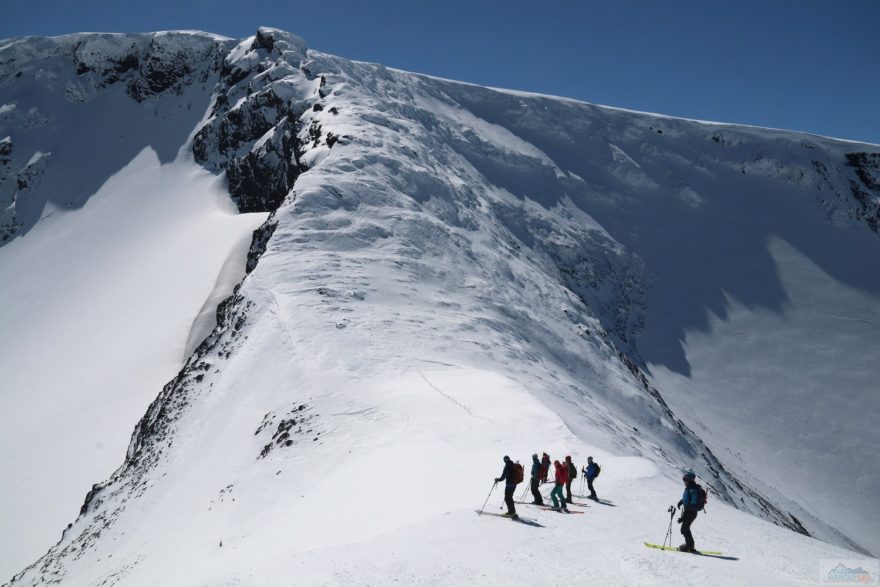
561 478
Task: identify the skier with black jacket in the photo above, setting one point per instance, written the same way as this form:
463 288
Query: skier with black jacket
509 476
535 480
692 502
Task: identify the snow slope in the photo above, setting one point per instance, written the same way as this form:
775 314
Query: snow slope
453 273
82 350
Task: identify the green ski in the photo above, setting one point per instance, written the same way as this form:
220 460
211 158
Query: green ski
675 549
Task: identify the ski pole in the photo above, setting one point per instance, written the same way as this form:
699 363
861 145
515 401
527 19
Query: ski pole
488 496
671 511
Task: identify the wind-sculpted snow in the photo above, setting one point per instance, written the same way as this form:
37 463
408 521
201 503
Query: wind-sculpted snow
452 273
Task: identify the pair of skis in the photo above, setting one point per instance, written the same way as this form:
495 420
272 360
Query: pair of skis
529 521
675 549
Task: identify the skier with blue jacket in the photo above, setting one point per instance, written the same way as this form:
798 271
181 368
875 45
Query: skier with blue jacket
591 472
535 480
692 501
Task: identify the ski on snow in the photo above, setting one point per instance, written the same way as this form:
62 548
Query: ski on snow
549 509
518 519
675 549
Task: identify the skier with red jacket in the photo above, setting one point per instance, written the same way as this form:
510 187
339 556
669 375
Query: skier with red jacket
561 479
545 467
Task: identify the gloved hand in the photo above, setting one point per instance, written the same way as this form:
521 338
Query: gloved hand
498 480
679 504
678 520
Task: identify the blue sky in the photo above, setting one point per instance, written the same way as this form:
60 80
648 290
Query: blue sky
795 64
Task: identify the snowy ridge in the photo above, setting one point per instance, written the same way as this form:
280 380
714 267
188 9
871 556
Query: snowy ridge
451 273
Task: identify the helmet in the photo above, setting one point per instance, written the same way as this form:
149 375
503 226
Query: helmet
689 476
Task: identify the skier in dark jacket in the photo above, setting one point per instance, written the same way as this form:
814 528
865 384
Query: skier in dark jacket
545 467
509 477
572 473
590 473
536 480
690 501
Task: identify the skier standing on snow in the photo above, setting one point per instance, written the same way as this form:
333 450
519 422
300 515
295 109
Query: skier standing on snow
509 476
572 473
591 472
536 480
561 478
545 467
691 503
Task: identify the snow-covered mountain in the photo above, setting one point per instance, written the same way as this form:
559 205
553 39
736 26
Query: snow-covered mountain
439 274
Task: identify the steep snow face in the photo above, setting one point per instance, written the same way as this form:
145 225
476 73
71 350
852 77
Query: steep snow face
117 257
455 273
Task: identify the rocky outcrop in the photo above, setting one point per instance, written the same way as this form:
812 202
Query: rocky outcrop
147 65
253 133
866 188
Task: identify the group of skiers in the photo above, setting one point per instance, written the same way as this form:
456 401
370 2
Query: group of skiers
693 500
564 474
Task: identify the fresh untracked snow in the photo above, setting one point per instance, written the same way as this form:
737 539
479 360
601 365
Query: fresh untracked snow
451 274
97 307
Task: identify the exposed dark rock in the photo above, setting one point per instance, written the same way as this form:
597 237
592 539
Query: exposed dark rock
259 242
262 40
287 429
149 68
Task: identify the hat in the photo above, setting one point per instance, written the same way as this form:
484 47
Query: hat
689 475
506 458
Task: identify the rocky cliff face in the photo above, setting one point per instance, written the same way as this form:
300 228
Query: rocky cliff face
535 229
59 106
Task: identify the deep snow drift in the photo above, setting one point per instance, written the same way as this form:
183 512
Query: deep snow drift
453 273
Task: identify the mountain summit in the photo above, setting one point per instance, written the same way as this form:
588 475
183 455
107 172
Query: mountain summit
361 287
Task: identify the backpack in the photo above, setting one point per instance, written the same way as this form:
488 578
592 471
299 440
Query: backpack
517 473
572 471
702 497
598 469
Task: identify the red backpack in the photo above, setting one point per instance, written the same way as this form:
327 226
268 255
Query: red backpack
517 473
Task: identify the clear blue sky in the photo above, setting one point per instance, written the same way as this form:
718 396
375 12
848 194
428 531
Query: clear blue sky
797 64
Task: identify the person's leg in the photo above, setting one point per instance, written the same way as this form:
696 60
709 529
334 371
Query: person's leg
536 493
508 499
568 491
590 486
553 493
687 518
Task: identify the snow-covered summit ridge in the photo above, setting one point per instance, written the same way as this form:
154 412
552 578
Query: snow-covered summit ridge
566 247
